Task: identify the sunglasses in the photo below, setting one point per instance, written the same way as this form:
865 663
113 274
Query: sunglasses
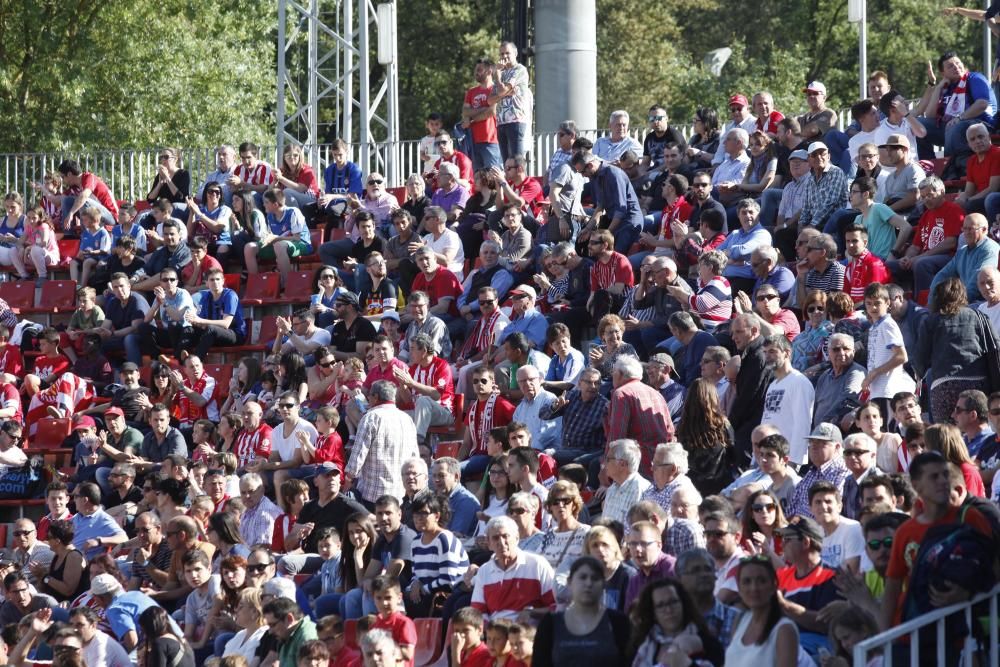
562 502
261 567
815 309
857 452
884 543
517 511
375 181
486 302
168 280
444 142
213 192
22 533
326 276
766 297
763 507
324 364
286 406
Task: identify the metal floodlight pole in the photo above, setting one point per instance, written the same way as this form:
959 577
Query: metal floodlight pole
331 39
857 12
987 46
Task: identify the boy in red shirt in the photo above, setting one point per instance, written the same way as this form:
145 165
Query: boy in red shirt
467 647
389 602
498 642
930 475
330 630
522 642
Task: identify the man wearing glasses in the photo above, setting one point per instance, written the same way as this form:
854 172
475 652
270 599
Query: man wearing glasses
610 275
446 148
93 529
257 522
164 324
29 549
826 190
820 270
151 558
174 254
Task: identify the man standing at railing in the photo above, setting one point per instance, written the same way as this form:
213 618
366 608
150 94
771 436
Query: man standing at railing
931 478
479 117
514 103
94 193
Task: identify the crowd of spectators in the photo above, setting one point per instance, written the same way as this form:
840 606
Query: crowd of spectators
718 395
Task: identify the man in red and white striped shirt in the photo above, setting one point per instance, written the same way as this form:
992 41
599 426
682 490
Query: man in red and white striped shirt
864 267
254 441
251 173
513 580
197 398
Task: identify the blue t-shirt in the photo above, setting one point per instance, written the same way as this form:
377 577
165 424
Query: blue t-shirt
342 181
98 524
99 240
228 303
124 611
137 233
566 372
17 229
290 222
977 88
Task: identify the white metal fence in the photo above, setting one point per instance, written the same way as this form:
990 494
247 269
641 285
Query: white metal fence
884 642
129 172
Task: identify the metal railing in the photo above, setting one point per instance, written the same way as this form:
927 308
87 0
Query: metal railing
129 172
883 642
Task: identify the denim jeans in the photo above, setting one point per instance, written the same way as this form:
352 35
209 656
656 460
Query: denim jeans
485 156
130 343
625 235
513 139
106 217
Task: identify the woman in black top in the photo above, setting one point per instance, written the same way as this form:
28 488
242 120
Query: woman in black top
64 578
416 199
163 648
587 633
171 182
472 223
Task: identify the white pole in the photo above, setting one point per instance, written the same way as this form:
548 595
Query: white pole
987 55
863 50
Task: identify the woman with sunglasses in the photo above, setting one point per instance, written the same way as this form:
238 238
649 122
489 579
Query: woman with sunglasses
522 508
763 520
328 286
563 543
704 143
163 390
764 635
808 346
666 623
212 220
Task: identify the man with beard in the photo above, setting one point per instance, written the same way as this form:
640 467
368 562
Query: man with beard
479 117
749 376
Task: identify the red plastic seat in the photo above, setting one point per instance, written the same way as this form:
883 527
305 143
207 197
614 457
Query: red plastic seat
222 373
68 249
268 330
298 287
458 428
232 281
261 288
51 433
449 449
58 296
338 233
19 294
429 644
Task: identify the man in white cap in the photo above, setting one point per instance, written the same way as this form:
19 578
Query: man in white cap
123 608
826 463
819 119
826 189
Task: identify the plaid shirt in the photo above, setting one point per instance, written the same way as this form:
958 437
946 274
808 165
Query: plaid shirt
823 197
793 197
582 422
620 497
684 534
832 471
721 621
639 412
257 523
662 497
386 437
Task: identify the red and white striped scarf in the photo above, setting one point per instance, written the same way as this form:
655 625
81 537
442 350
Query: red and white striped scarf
481 428
482 336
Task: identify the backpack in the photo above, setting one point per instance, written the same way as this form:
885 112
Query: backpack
955 553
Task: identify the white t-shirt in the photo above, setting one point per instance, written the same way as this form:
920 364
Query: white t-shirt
846 542
886 129
105 651
992 312
286 447
882 337
320 337
861 138
449 241
788 404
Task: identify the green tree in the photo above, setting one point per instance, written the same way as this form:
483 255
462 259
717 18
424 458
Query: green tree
93 74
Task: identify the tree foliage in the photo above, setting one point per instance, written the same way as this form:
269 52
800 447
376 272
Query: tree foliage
89 73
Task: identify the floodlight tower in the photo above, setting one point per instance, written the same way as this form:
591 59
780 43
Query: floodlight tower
340 55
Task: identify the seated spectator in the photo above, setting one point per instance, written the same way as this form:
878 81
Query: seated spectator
463 505
881 222
899 191
19 600
708 438
123 315
825 463
151 557
645 545
843 542
545 433
587 610
806 584
820 269
838 388
764 261
582 413
740 244
439 559
93 528
194 273
982 173
934 239
653 631
979 252
512 580
637 411
219 319
754 638
288 236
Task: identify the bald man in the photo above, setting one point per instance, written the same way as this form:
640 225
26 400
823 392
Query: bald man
988 282
979 252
